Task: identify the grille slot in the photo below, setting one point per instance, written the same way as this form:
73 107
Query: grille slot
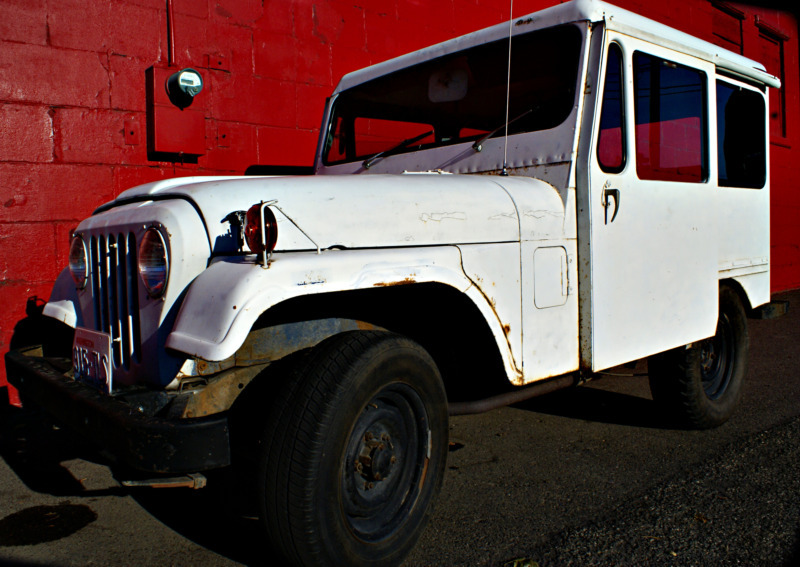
115 290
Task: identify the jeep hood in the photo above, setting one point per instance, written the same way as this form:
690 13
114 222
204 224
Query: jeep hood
350 211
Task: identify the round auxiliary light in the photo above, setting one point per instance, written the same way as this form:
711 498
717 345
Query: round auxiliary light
153 262
77 261
260 231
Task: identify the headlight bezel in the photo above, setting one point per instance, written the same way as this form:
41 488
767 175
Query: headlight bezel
78 254
155 275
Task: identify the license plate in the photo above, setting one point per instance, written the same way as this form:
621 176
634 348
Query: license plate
91 358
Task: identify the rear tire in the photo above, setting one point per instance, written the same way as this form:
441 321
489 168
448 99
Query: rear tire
351 465
701 384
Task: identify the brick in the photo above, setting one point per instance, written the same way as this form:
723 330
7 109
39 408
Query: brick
330 23
114 27
127 82
471 18
383 37
27 72
28 190
234 40
189 7
191 41
160 4
521 7
351 24
275 55
277 17
434 17
240 152
127 176
277 146
240 12
27 133
24 21
252 100
314 64
311 106
63 238
344 61
27 252
95 136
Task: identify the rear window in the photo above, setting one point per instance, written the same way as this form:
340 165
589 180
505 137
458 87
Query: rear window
741 135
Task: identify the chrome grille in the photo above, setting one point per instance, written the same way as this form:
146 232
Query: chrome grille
115 291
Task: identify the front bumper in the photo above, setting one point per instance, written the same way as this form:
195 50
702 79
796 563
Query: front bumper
150 444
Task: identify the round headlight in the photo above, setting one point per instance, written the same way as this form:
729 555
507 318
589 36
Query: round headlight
153 262
77 261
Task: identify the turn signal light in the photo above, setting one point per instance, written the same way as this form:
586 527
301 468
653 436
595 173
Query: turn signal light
260 229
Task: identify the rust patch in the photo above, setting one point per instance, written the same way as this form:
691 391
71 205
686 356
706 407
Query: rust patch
506 329
406 281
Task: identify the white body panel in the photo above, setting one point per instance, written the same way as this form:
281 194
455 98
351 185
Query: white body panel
560 287
355 211
653 268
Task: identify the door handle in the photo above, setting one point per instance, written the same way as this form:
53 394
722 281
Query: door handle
615 194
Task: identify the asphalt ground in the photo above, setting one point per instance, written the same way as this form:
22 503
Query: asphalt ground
587 476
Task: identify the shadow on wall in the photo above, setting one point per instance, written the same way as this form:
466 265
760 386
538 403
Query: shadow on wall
36 329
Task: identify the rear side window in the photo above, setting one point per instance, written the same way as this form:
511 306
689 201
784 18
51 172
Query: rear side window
670 111
741 137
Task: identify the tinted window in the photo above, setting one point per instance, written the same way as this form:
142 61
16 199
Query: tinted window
461 97
611 141
741 137
670 108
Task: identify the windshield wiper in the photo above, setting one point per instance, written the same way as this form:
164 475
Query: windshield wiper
478 145
367 163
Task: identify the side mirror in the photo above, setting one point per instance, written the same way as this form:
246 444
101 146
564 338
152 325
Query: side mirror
183 86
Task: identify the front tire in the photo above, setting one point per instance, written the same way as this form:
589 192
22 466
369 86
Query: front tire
352 466
701 384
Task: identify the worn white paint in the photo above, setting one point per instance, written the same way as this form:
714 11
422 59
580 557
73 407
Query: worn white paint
555 282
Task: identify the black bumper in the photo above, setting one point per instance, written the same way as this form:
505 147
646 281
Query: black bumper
151 444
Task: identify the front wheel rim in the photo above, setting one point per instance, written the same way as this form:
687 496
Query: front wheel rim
385 463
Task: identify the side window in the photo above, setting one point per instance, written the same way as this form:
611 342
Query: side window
611 141
741 137
670 111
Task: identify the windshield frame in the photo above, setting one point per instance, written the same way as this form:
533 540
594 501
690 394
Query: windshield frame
571 83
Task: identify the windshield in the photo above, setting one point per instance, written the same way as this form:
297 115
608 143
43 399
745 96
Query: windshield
459 97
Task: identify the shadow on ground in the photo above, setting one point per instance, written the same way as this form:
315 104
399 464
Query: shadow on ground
603 401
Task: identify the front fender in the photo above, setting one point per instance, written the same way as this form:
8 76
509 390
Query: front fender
224 302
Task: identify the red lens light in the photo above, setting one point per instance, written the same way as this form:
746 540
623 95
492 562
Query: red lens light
253 229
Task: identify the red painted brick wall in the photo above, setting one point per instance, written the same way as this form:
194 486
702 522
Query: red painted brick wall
73 110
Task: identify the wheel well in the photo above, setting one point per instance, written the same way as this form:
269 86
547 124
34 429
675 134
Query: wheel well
441 319
739 290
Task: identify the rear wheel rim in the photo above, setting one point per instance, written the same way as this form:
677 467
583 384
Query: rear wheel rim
716 359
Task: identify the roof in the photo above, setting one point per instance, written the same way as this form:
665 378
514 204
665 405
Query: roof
614 18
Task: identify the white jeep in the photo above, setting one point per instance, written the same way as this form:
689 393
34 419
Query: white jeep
491 218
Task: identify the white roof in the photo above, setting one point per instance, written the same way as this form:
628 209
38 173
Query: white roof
614 18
